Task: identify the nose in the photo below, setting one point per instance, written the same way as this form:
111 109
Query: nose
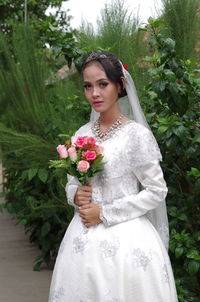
95 92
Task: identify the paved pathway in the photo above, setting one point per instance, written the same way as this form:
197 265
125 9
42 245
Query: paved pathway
18 281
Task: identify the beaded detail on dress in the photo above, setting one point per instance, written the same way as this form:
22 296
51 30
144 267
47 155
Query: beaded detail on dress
110 133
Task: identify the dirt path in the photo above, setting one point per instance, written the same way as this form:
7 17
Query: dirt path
18 281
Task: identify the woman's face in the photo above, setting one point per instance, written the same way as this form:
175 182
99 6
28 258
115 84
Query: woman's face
100 92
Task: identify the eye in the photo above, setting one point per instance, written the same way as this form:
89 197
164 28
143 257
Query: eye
103 84
87 86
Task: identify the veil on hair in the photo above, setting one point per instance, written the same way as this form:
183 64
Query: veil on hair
130 106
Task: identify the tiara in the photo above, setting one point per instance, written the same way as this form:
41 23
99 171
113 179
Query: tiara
95 56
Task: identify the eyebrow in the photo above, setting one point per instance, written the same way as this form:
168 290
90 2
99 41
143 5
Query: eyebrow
103 79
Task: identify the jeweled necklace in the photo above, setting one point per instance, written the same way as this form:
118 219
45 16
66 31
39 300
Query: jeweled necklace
103 135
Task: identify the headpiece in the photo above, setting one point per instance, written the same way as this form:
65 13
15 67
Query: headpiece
93 56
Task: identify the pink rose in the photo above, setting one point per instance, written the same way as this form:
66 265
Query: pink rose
72 153
81 141
90 155
83 165
62 150
91 140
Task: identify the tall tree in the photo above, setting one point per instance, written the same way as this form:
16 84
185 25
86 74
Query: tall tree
11 10
183 21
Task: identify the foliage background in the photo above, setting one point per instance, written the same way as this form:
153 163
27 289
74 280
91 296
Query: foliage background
39 110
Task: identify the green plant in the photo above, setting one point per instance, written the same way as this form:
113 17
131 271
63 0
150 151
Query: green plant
15 10
37 110
183 23
173 98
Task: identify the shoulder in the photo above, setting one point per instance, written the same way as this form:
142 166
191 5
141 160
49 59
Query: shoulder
142 140
138 130
83 129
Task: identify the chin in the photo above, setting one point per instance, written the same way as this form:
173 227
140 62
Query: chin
99 110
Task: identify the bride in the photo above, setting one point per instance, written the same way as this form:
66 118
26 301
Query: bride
115 248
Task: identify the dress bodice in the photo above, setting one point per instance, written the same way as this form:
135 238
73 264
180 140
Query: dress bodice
123 152
131 183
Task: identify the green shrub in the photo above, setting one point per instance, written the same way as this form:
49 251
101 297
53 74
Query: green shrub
183 23
173 100
37 111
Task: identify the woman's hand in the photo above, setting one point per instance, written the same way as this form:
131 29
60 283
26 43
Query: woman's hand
90 214
83 195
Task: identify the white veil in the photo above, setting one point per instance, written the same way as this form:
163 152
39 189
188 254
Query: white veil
131 108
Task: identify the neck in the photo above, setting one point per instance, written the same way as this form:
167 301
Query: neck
109 117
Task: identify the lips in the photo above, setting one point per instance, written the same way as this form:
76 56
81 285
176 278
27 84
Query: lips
97 103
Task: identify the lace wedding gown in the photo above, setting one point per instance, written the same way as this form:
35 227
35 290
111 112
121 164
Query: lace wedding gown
122 259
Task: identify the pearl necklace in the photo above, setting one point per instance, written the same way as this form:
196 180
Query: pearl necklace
104 135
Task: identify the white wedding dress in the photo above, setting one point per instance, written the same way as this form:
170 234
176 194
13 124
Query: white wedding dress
122 259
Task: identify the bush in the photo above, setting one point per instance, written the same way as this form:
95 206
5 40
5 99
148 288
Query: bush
183 23
173 98
37 111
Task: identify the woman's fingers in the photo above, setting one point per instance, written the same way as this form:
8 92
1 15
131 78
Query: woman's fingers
85 207
86 188
83 213
83 198
84 194
80 201
83 202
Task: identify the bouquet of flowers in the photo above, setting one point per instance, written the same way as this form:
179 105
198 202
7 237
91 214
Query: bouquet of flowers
81 158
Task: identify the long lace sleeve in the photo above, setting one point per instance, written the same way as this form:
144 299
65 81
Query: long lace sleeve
143 157
71 188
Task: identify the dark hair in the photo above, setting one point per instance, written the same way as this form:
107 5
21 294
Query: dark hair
111 66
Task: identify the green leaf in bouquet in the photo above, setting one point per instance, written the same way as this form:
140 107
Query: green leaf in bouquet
101 164
97 162
54 163
90 173
64 163
97 172
84 180
72 170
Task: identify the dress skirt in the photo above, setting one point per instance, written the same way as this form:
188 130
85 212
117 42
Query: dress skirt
126 262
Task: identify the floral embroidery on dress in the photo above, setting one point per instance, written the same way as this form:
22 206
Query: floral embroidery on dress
55 295
147 152
109 248
79 244
165 275
140 259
